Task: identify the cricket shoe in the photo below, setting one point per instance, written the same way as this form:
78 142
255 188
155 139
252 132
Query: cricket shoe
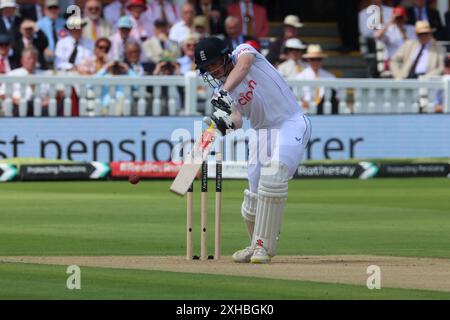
244 255
260 255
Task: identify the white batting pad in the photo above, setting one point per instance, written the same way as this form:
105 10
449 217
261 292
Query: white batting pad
248 211
272 195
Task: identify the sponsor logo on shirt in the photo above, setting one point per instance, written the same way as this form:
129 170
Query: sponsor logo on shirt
246 97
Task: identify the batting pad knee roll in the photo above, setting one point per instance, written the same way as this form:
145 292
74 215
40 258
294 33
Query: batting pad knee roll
272 196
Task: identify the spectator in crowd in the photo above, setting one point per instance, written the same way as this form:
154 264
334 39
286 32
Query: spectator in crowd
395 32
96 26
253 18
122 36
314 71
142 25
51 24
234 36
9 22
439 103
364 17
31 36
215 15
186 62
133 53
422 57
169 67
420 11
201 26
74 48
28 67
183 28
113 11
159 43
367 35
291 25
164 10
294 65
5 46
32 11
92 65
114 104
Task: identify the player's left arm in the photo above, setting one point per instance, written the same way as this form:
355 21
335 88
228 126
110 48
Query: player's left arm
239 72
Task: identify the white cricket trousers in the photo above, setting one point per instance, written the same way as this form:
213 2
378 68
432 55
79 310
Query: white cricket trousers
286 144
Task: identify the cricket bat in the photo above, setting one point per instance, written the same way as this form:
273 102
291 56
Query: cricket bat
194 160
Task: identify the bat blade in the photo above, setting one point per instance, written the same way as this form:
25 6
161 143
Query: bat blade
192 165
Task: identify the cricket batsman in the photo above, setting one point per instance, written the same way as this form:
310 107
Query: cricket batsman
246 84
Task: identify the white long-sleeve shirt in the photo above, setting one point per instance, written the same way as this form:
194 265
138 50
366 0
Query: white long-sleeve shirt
64 49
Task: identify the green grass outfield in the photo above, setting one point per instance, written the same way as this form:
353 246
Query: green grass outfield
394 217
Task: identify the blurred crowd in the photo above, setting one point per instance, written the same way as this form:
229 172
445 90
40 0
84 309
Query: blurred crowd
408 43
158 37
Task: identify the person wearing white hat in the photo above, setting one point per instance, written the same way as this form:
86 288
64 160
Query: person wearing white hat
315 57
9 22
201 26
291 26
121 37
422 57
31 36
294 65
73 49
51 24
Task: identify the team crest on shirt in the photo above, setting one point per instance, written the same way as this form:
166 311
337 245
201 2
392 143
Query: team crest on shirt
246 97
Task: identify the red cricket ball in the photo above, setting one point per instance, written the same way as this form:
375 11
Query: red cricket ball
134 179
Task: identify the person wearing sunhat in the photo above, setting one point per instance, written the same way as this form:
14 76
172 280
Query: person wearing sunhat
291 26
121 37
395 32
416 58
31 36
9 21
201 26
421 10
51 24
294 65
315 58
74 48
